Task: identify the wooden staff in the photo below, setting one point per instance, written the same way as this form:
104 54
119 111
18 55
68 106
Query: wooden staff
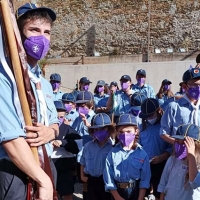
16 64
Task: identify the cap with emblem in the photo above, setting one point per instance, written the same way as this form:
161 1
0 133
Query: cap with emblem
141 72
113 83
125 77
101 83
100 120
190 74
166 82
185 130
30 7
85 80
59 105
68 97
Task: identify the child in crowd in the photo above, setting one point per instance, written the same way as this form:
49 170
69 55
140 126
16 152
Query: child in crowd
113 86
94 156
84 102
181 177
164 92
157 149
71 113
127 164
64 154
84 84
101 96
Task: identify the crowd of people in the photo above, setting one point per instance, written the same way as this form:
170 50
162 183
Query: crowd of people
122 142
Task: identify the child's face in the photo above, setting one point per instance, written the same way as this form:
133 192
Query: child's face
37 27
126 129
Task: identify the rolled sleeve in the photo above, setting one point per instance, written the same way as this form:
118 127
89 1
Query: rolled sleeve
108 175
10 125
145 174
196 182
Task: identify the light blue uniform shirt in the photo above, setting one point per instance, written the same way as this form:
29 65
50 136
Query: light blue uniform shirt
166 103
94 156
10 124
146 89
100 101
163 99
177 113
123 103
57 95
126 166
72 115
152 143
173 183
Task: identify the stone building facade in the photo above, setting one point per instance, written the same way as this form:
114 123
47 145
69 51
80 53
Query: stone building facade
120 27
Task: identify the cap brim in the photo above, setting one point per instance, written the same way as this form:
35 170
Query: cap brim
100 85
127 79
144 116
82 101
125 123
66 100
136 107
181 137
99 126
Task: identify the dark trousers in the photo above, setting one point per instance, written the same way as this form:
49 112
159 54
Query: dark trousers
13 182
130 193
96 189
156 173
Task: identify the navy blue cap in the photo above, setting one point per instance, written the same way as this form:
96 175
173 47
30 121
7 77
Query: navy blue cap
141 71
126 119
100 120
191 74
113 83
84 97
190 130
125 77
30 7
137 98
55 77
101 83
69 97
166 82
85 80
59 105
148 107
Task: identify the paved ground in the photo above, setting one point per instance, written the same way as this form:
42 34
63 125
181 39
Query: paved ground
78 192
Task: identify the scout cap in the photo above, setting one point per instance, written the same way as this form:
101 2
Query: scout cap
191 74
85 80
84 97
126 119
190 130
137 98
59 105
30 7
148 107
166 81
141 71
101 83
113 83
68 97
55 77
100 120
125 77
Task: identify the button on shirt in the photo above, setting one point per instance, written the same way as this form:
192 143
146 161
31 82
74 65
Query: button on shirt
123 103
100 101
94 156
152 143
177 113
10 124
173 182
145 89
57 95
126 166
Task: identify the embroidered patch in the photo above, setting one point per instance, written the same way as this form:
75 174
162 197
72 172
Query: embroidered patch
196 71
138 159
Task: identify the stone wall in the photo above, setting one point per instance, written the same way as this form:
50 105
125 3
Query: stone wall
114 27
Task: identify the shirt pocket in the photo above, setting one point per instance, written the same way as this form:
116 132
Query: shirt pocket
89 161
135 169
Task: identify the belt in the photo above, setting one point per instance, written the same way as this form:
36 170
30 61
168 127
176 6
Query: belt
125 185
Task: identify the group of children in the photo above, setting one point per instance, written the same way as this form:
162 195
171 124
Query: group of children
129 160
